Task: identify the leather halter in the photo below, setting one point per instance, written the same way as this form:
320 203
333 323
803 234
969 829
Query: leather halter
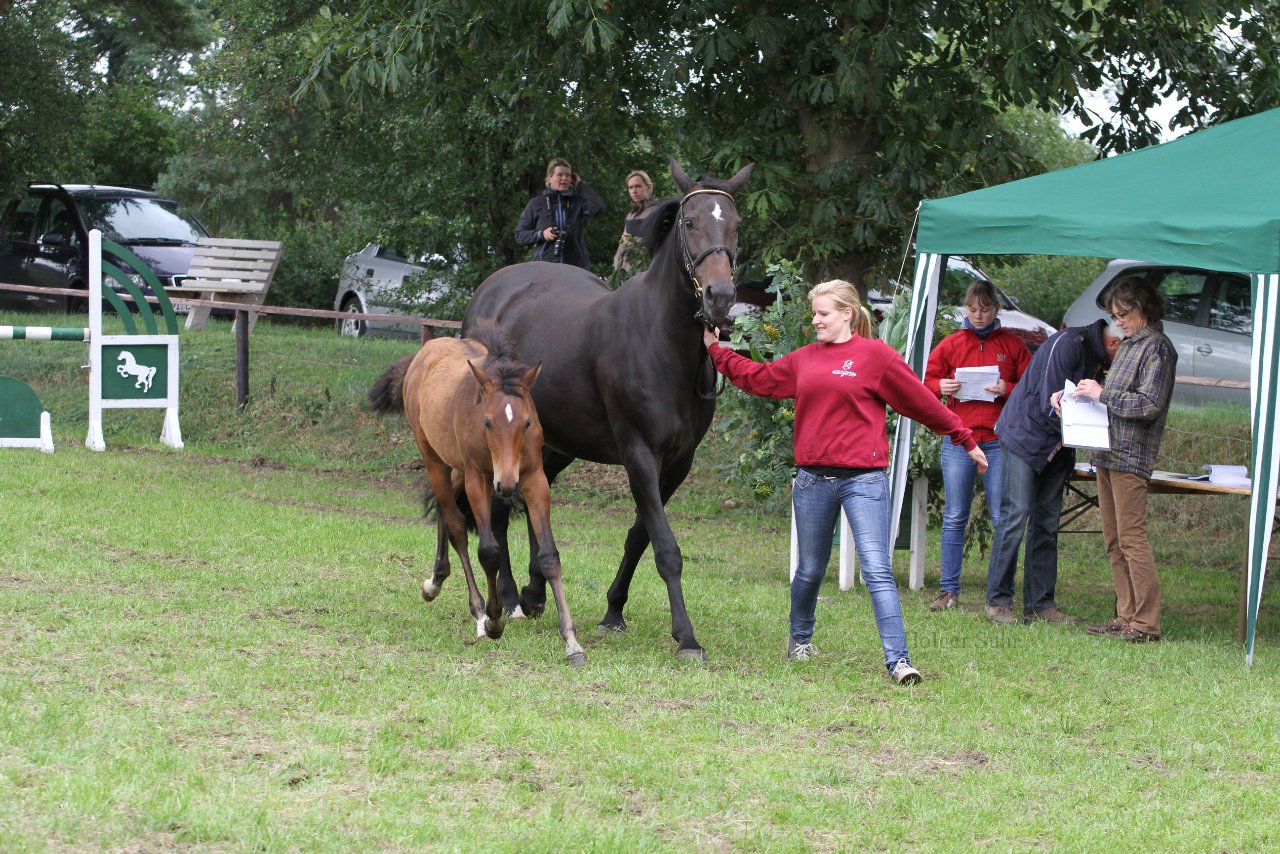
691 263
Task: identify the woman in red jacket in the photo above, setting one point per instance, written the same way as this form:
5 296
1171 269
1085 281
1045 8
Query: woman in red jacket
842 384
980 343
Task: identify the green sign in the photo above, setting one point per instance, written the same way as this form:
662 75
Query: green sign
19 410
135 371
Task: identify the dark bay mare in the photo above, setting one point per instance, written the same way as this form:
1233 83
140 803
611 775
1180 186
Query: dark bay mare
625 376
467 402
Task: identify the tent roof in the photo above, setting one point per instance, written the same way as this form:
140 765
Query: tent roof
1209 199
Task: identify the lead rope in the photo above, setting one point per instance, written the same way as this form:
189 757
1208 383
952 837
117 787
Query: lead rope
717 379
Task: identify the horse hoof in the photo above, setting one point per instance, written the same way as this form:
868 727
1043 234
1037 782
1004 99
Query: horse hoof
516 613
430 591
577 659
617 628
493 629
691 654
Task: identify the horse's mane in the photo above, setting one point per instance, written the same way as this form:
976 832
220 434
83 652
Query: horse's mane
655 227
504 363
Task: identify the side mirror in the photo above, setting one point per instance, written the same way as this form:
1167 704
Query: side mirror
53 240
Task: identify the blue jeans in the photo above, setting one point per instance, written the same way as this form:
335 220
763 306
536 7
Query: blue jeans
816 502
959 475
1032 503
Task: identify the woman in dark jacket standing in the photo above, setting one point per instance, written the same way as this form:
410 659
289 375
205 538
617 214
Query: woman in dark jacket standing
552 220
631 254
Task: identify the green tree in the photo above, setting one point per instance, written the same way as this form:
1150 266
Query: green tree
41 73
88 88
854 111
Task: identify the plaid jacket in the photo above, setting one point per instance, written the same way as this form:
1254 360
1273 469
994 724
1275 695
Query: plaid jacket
1136 395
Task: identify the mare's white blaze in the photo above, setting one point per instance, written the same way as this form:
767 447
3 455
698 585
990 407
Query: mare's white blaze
479 627
510 415
715 212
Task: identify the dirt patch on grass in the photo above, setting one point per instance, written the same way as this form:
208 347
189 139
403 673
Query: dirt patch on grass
890 758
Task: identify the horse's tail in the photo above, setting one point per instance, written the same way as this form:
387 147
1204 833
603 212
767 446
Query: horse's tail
387 394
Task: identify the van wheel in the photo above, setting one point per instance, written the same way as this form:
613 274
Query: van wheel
349 326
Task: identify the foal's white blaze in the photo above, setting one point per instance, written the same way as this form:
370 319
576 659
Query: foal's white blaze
510 415
715 212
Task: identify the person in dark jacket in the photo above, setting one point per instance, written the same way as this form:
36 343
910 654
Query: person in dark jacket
1035 468
552 221
632 255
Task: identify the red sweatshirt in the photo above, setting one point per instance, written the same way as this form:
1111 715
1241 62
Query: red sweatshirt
964 349
841 392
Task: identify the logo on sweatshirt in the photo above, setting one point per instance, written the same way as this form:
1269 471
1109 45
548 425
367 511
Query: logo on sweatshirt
846 370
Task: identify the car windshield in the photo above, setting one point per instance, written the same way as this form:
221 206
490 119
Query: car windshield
136 220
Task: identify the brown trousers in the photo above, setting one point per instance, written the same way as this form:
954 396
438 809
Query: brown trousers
1122 500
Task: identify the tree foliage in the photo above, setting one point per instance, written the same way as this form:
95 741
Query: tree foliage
87 88
854 111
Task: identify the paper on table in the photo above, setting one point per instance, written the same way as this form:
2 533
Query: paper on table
974 382
1084 421
1225 475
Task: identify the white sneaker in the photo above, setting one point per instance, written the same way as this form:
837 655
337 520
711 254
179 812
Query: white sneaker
904 674
800 651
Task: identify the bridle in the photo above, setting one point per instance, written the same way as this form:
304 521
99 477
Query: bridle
690 266
691 263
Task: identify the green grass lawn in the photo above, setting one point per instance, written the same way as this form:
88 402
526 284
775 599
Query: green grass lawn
224 648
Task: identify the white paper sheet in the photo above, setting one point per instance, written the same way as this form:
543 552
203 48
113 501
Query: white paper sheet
1084 421
974 382
1225 475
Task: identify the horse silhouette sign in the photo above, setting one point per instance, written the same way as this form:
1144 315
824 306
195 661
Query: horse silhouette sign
141 372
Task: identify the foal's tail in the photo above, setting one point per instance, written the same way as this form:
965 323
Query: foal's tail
387 394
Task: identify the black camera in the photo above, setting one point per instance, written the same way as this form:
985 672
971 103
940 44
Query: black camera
557 248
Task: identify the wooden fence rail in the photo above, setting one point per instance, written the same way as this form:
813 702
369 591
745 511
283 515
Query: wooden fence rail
428 327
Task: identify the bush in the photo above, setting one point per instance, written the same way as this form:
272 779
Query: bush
1045 285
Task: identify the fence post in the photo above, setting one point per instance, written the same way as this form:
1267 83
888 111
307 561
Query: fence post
242 358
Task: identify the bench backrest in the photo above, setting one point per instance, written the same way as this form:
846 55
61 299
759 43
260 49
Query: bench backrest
228 265
230 269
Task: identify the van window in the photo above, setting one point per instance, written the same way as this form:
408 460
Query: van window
1231 310
1182 291
21 220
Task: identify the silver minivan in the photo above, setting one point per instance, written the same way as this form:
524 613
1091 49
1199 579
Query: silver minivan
1208 317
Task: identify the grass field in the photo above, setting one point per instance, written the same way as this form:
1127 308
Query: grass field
224 649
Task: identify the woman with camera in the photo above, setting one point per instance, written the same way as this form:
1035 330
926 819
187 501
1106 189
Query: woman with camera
552 220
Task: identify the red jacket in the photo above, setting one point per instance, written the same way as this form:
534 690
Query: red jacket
841 392
964 349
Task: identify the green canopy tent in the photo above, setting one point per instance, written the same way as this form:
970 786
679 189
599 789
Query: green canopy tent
1209 199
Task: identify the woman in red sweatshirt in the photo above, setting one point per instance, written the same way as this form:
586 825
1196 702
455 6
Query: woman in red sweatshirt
842 384
979 343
